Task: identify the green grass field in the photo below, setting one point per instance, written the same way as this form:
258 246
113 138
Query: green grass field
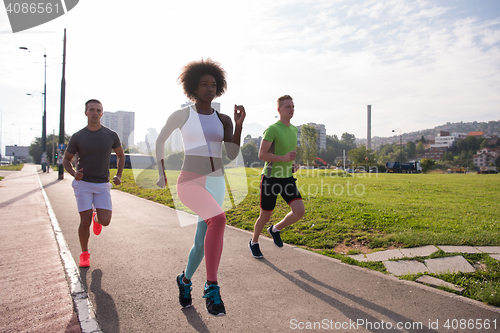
375 210
371 212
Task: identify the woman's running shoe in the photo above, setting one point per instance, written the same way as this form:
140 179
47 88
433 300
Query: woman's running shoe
215 306
184 291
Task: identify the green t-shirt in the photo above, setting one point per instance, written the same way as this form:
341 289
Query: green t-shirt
284 140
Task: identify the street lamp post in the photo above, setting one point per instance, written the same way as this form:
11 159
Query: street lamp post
44 118
400 149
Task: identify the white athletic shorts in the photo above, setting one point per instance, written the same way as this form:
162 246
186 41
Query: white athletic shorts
88 194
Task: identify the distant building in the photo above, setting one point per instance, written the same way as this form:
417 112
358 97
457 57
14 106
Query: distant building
493 151
447 139
320 129
151 137
485 156
483 159
17 152
122 122
148 145
175 141
477 133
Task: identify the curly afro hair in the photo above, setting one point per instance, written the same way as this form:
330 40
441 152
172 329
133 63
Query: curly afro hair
192 72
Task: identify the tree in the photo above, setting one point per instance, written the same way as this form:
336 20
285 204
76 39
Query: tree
299 158
328 154
349 139
174 161
35 149
471 143
386 149
411 149
133 150
420 148
447 157
427 164
308 139
463 158
399 154
358 156
335 147
249 153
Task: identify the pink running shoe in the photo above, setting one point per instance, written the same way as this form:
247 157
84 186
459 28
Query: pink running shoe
85 259
97 226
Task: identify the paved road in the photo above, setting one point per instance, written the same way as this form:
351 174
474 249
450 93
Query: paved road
134 262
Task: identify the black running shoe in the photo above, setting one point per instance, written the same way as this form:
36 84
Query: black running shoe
215 306
255 249
184 292
276 237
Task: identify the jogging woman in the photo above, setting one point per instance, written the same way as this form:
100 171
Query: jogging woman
201 185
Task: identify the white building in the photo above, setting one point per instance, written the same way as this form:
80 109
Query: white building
150 138
447 140
148 145
17 152
485 157
175 141
122 122
320 129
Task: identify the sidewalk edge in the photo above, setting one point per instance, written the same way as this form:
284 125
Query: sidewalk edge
81 302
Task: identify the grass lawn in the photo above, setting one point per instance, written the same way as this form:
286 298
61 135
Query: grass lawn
372 211
12 167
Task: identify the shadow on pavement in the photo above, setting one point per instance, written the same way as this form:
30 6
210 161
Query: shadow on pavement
25 195
350 312
73 325
195 320
106 312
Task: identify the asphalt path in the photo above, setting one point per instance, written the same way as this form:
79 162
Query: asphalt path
134 262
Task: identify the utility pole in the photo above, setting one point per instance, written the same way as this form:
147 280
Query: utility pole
61 121
53 146
44 117
44 123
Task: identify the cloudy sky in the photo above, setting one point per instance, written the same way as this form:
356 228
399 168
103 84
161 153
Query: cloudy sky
419 64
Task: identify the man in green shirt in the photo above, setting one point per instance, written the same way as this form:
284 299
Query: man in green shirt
278 151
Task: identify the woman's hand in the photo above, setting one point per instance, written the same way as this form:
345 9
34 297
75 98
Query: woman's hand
162 180
239 115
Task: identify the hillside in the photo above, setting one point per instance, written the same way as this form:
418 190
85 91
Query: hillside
489 128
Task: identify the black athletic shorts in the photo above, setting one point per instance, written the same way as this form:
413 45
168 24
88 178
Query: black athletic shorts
271 187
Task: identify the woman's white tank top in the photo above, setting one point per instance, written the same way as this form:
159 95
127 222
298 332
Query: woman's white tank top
202 135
